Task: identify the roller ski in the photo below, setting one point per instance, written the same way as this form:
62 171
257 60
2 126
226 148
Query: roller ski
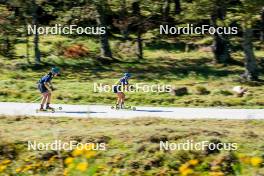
117 107
49 109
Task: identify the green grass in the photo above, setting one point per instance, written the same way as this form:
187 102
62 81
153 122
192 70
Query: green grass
132 146
163 66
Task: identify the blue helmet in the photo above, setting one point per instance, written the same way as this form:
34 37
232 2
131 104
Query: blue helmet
127 75
55 70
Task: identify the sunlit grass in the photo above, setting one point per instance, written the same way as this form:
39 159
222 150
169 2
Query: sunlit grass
131 144
160 66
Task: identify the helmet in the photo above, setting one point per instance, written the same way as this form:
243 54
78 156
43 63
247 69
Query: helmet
55 70
127 75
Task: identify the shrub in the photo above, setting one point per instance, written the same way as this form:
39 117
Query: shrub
200 90
179 91
223 92
75 51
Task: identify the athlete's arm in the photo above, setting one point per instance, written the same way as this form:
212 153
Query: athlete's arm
48 86
126 87
126 84
51 86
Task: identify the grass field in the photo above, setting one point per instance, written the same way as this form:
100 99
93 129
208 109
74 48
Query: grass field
132 146
208 84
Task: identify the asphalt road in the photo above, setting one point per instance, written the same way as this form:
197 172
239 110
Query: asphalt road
104 111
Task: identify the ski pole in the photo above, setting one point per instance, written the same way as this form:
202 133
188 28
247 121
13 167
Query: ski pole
26 106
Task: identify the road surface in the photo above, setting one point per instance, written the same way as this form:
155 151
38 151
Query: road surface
103 111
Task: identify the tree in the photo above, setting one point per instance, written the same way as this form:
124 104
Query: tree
7 31
251 72
87 12
36 35
123 15
221 41
262 25
247 13
26 11
136 12
177 7
215 12
101 9
166 10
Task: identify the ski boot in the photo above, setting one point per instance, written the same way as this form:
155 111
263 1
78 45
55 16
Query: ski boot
117 107
48 108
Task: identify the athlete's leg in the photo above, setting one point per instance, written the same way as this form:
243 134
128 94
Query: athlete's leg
48 100
44 94
119 98
123 100
43 100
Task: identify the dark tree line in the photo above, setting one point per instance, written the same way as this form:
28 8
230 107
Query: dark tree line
134 18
